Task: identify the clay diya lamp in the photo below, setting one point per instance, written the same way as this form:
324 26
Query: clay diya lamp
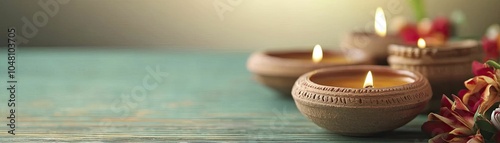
373 43
338 100
280 69
445 66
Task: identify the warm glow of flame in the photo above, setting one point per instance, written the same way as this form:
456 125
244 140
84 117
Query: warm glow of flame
317 54
368 80
380 22
421 43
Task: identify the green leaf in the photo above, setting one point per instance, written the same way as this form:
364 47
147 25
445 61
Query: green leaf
477 116
493 64
418 9
486 128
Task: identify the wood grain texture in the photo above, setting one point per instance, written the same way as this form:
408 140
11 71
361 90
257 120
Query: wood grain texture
208 96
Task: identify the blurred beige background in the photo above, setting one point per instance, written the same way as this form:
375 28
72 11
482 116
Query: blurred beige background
240 24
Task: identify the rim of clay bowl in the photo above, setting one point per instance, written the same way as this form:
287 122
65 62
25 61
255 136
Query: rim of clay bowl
307 86
451 49
268 63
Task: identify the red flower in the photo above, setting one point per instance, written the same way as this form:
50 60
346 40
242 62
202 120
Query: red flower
454 123
491 42
439 31
490 47
409 34
481 69
442 25
482 91
469 117
474 100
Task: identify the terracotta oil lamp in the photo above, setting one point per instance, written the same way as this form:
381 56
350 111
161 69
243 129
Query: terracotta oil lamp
373 43
280 69
446 66
346 102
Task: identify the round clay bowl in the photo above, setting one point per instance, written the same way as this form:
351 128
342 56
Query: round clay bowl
277 71
361 111
371 43
446 67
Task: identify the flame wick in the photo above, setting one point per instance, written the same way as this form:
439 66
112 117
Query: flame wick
317 54
368 80
380 22
421 43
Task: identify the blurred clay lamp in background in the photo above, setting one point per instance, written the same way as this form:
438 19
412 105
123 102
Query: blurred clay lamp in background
445 65
373 43
351 101
280 69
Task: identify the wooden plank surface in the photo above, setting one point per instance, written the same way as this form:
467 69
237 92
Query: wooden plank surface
98 95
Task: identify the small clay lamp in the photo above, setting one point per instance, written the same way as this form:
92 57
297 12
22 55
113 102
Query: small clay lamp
338 100
446 66
375 44
280 69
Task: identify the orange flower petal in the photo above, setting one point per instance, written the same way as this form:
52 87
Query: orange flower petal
461 132
454 122
458 104
490 97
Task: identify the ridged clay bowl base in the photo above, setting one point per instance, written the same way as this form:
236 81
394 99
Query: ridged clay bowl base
361 111
372 44
275 69
446 67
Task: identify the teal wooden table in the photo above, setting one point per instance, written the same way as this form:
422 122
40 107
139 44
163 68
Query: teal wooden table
153 95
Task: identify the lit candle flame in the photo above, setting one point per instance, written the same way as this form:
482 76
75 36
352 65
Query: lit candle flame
368 80
317 54
380 22
421 43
